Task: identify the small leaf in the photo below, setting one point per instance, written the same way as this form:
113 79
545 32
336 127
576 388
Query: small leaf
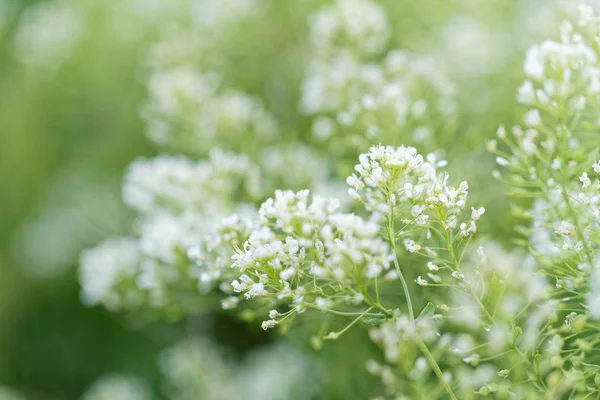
515 334
375 320
427 312
504 373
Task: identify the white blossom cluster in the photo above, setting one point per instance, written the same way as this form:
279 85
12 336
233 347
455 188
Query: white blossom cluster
481 329
359 97
399 184
303 253
511 324
189 107
549 160
212 256
550 154
179 202
175 184
189 110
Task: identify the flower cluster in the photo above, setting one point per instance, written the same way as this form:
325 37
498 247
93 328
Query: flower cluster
191 107
511 324
189 111
407 191
549 160
302 253
358 101
175 184
179 202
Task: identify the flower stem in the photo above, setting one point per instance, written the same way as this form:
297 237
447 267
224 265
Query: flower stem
434 365
392 240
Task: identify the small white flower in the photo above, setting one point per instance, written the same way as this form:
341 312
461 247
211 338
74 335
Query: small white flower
502 161
411 246
477 213
420 281
501 132
526 93
268 324
533 118
458 275
432 266
585 180
257 289
292 245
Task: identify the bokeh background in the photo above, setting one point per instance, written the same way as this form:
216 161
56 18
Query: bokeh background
71 91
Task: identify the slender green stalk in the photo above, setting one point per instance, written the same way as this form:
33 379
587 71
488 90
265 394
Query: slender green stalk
392 240
435 367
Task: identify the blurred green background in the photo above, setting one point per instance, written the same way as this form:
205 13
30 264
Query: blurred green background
68 129
64 132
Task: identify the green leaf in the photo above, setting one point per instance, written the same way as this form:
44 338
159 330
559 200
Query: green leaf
515 334
375 320
427 312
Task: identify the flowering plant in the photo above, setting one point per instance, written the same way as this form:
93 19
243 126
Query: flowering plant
266 232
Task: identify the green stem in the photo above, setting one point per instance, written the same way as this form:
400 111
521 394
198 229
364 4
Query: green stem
392 240
466 286
436 368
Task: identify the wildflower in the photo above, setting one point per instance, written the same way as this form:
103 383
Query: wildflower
477 213
432 266
411 246
533 118
268 324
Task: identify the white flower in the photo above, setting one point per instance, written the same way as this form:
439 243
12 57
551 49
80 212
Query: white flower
477 213
501 132
458 275
268 324
257 289
533 118
411 246
502 161
432 266
526 93
421 282
585 182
